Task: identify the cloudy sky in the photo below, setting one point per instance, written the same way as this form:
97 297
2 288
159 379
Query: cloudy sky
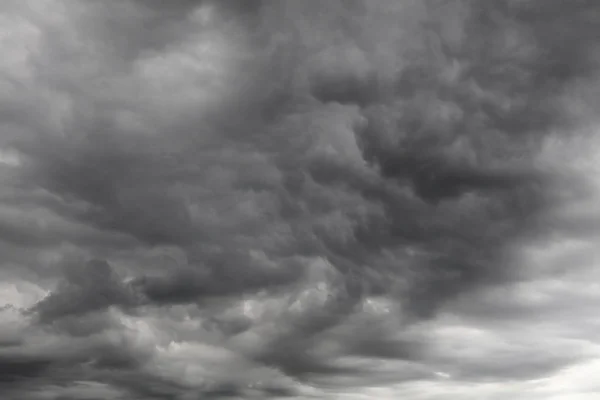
302 199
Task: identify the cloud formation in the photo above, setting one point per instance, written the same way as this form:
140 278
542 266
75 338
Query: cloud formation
287 199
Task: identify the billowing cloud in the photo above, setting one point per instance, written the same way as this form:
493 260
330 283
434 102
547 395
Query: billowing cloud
287 199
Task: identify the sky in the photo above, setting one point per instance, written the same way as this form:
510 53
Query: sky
287 199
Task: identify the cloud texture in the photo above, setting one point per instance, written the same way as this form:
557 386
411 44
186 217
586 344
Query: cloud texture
299 199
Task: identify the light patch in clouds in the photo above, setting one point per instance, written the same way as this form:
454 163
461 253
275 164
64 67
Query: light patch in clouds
9 157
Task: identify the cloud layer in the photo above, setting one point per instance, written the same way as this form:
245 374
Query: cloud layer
287 199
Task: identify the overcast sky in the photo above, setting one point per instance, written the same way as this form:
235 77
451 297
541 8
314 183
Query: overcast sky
302 199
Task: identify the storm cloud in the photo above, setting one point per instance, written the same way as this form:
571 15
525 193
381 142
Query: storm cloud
298 199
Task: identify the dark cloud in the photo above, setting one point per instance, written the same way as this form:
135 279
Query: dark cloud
14 370
87 288
259 198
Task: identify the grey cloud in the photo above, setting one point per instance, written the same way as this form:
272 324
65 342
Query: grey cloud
500 353
98 172
87 288
395 142
516 369
191 284
13 370
517 364
49 358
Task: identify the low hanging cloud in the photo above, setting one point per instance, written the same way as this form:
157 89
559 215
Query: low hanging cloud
287 199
